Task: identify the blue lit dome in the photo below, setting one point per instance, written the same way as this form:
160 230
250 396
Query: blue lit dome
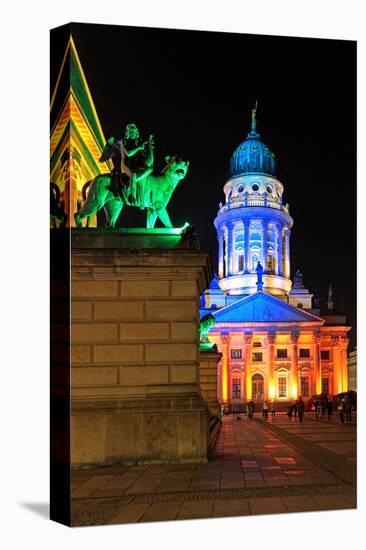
253 156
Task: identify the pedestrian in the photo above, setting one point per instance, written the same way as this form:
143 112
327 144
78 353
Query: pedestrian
324 407
273 410
295 409
250 409
316 404
265 409
329 409
348 408
340 410
289 410
300 408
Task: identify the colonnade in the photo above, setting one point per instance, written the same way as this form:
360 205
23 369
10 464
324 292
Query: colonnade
226 247
271 367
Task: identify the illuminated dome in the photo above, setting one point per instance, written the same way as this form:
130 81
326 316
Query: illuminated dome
252 156
254 225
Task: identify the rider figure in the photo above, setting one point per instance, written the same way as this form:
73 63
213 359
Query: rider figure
132 161
137 159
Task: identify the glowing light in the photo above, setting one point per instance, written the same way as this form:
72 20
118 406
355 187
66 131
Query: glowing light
294 391
272 391
224 383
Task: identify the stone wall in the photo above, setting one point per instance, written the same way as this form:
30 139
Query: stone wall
135 355
208 386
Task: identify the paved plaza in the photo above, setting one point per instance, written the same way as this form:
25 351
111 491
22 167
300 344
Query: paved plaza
258 467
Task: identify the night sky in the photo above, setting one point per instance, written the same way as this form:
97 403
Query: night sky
195 90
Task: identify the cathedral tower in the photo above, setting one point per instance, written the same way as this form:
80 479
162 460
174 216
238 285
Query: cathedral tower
253 225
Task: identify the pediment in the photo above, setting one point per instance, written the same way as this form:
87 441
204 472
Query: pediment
261 307
282 368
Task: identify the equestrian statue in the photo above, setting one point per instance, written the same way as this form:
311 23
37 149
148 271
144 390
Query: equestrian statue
131 181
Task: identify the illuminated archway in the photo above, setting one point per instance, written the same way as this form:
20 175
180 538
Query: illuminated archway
257 387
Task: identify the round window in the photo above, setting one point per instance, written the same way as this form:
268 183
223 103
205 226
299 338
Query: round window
269 189
240 188
255 187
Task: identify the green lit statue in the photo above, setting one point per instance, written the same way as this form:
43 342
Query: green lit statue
131 181
207 321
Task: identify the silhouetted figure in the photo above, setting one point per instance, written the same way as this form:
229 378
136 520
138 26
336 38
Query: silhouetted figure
348 408
329 409
340 408
300 409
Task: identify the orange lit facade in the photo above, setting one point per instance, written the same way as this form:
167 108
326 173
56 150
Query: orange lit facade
276 344
280 361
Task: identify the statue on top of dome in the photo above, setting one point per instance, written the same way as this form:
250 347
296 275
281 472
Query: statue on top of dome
254 117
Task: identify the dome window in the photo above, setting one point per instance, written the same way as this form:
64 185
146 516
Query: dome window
269 189
255 187
240 188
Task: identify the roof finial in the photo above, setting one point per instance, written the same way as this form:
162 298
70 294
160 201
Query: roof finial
254 117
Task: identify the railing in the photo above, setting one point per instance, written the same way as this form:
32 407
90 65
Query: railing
262 200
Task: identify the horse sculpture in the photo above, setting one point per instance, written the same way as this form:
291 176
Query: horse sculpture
153 193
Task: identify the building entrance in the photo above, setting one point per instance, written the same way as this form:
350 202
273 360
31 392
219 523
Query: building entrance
257 387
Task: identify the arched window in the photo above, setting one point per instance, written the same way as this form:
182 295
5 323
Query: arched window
270 263
241 262
255 260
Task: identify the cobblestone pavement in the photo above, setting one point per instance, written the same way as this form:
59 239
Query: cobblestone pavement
258 467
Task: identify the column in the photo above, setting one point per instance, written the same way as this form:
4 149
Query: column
225 340
287 253
279 263
229 249
343 353
317 368
337 374
294 390
220 237
246 245
248 371
264 245
271 337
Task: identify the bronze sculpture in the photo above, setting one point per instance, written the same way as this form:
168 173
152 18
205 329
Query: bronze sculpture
152 193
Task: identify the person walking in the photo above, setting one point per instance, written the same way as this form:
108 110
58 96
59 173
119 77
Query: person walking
289 410
348 408
300 409
273 410
295 409
329 409
340 410
316 404
265 409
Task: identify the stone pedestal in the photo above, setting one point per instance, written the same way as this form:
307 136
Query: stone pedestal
135 385
208 385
